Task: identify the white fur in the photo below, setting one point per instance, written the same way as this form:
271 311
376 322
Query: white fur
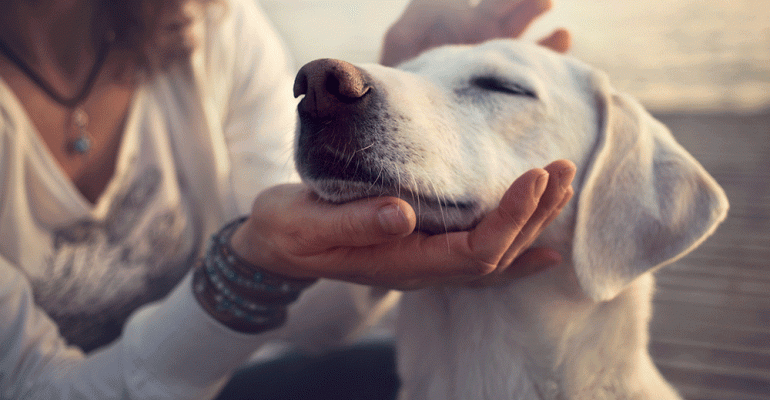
577 331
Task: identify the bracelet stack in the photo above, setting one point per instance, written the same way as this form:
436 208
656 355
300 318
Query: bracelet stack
239 294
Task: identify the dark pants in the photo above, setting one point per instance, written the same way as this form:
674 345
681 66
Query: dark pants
361 372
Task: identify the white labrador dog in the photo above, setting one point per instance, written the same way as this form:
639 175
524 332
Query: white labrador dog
448 132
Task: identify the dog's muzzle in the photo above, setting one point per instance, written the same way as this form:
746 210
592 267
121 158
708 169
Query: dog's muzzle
350 146
339 118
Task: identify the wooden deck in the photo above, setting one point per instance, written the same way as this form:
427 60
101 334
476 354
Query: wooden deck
711 329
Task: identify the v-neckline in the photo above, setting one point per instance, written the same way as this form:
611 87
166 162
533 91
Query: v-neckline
57 176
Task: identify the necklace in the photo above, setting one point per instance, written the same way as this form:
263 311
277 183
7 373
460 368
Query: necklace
78 143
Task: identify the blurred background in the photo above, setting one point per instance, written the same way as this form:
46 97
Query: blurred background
703 68
687 55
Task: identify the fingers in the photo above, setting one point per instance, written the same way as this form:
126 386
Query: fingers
523 15
422 25
557 194
559 41
490 240
568 193
512 17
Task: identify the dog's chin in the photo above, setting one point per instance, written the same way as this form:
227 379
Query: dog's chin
434 215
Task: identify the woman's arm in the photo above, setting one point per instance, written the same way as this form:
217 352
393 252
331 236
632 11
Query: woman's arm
172 349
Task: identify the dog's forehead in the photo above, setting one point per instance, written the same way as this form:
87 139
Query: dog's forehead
492 57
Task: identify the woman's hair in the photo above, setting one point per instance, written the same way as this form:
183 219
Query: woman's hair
157 32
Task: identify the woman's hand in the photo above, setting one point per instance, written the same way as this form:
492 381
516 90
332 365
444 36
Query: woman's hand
371 241
430 23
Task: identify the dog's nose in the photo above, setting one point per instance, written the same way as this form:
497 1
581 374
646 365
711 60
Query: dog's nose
330 86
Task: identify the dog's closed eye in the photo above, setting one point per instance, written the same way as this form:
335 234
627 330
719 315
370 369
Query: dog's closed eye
498 85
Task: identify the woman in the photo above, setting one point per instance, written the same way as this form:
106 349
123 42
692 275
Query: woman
131 131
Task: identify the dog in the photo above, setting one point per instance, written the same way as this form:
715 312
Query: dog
448 132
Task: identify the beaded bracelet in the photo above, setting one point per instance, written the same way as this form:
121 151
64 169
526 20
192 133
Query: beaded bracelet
226 260
230 314
238 293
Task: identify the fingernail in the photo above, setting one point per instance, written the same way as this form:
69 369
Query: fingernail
392 219
540 184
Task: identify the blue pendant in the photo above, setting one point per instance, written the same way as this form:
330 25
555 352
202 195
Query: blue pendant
81 145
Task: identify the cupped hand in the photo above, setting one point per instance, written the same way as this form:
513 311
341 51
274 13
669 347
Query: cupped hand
430 23
372 241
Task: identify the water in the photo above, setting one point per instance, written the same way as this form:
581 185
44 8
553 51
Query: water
688 55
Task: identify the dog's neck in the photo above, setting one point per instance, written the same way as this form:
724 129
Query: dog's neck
532 340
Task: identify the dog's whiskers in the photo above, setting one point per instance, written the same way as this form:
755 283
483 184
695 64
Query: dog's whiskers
416 195
398 183
377 179
351 157
440 199
365 148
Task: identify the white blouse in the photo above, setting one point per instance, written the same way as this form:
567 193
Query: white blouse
200 141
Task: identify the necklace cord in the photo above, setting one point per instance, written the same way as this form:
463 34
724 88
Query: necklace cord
46 87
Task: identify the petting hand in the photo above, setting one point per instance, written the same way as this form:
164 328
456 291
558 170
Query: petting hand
371 241
430 23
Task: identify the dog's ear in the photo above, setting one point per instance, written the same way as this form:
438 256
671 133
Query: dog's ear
645 201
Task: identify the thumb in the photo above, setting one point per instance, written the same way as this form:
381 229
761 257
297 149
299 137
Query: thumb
361 223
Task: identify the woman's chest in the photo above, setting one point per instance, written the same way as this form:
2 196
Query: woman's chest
92 264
